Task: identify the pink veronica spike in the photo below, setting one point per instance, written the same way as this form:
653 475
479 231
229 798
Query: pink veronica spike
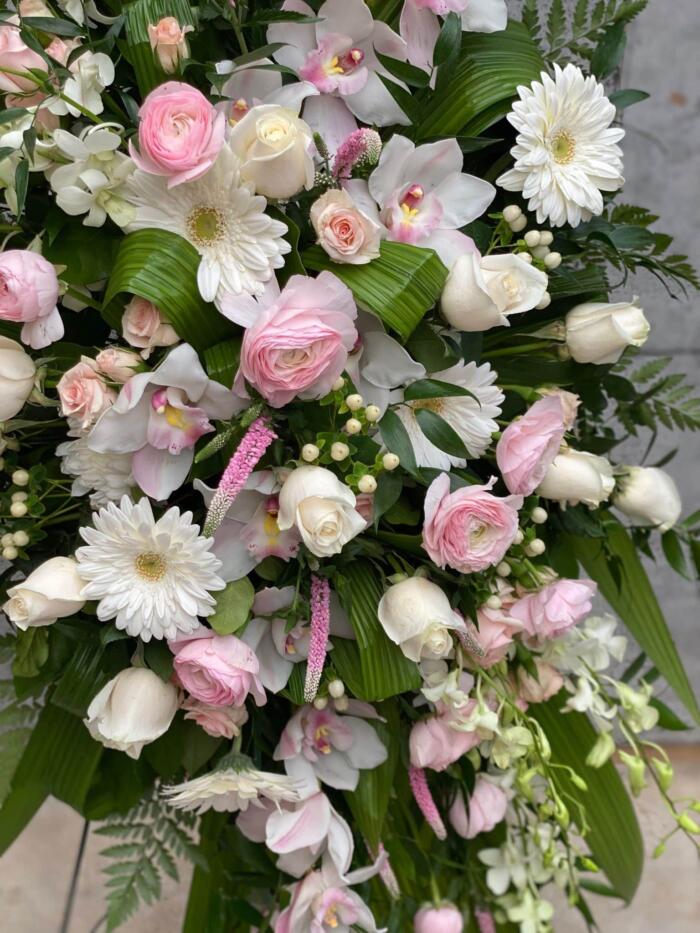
386 873
318 642
485 921
424 799
250 451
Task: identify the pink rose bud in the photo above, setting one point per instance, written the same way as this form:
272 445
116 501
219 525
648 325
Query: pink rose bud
28 295
555 608
529 445
434 744
16 56
219 670
219 721
444 919
84 394
144 326
168 41
117 364
180 133
487 807
343 230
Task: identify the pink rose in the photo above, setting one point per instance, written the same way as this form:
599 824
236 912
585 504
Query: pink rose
117 364
569 402
143 325
300 343
219 670
17 56
469 529
180 133
494 634
219 721
529 445
84 394
28 294
540 689
554 608
444 919
168 41
344 232
434 744
487 807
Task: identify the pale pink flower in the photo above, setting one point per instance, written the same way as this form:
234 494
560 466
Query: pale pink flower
168 41
17 56
420 25
541 688
555 608
344 232
434 744
144 326
28 295
218 721
469 529
180 133
529 445
487 807
117 364
84 394
219 670
493 634
321 902
443 919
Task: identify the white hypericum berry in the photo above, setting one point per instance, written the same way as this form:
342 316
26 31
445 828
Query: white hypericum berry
552 260
503 569
373 413
539 515
511 213
339 451
532 238
9 553
336 688
353 426
535 547
338 384
7 539
20 477
494 602
390 461
18 510
310 452
546 237
519 536
341 704
545 302
367 483
517 225
19 496
526 257
20 538
321 702
354 402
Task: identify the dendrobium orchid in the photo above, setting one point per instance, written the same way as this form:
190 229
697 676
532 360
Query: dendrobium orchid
420 25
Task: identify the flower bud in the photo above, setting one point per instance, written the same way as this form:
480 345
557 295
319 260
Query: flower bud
602 751
648 496
636 770
168 42
686 822
577 476
664 772
17 374
50 592
339 451
390 461
310 452
597 332
443 919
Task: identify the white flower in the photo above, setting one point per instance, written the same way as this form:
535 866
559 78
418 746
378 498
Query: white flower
91 73
234 786
92 182
52 591
648 496
505 866
578 476
220 216
482 292
532 914
105 476
322 508
417 616
153 577
136 707
597 332
471 416
566 152
17 374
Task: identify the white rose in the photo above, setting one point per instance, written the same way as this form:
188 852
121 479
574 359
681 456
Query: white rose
343 230
322 508
50 592
276 151
577 476
136 707
597 332
648 496
417 616
17 373
482 292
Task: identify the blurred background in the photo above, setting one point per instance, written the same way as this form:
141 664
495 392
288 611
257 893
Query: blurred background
663 172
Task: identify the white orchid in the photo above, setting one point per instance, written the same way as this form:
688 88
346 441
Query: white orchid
91 73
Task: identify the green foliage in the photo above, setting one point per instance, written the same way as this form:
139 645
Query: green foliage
16 720
661 400
577 33
139 15
233 607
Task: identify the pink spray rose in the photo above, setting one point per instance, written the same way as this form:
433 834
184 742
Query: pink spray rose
343 230
84 394
219 721
219 670
117 364
180 133
554 608
28 295
300 343
144 326
469 529
529 445
434 744
540 689
487 807
15 55
494 634
168 41
444 919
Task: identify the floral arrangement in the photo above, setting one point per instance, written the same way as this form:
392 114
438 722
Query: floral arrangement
317 350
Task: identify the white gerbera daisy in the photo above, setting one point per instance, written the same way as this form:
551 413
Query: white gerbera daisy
152 577
107 477
471 416
235 785
566 152
222 218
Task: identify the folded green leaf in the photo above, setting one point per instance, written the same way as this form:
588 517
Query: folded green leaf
627 97
396 438
439 432
409 74
434 388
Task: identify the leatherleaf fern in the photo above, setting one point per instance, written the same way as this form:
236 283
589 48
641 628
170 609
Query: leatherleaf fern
575 29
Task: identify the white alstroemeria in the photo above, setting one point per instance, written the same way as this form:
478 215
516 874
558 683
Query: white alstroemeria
451 687
639 715
588 646
92 183
91 73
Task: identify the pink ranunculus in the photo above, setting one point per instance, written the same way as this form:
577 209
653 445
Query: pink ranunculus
144 326
555 608
180 133
469 529
17 56
218 721
434 744
117 364
28 295
487 807
219 670
529 445
541 688
84 394
300 343
443 919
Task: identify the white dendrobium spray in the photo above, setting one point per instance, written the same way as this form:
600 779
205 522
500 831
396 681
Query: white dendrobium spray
566 151
135 708
648 496
417 616
51 592
598 332
578 476
91 73
482 292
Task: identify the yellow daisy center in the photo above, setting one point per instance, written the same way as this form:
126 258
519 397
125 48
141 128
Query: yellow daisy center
150 566
563 148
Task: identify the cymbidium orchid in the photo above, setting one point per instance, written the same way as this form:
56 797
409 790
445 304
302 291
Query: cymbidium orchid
420 23
277 648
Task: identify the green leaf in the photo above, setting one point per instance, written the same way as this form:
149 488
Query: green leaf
233 606
159 658
139 15
434 388
439 432
221 361
10 114
609 51
673 551
399 287
409 74
87 253
388 490
405 99
82 679
449 41
53 25
635 603
31 652
21 184
627 97
162 267
667 718
396 438
614 838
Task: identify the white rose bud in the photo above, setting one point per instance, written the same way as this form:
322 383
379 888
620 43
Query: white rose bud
17 373
648 496
417 616
481 293
276 151
50 592
321 507
577 476
136 707
597 332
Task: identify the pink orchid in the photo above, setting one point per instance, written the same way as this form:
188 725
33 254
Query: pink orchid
321 902
420 25
277 648
159 416
253 84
